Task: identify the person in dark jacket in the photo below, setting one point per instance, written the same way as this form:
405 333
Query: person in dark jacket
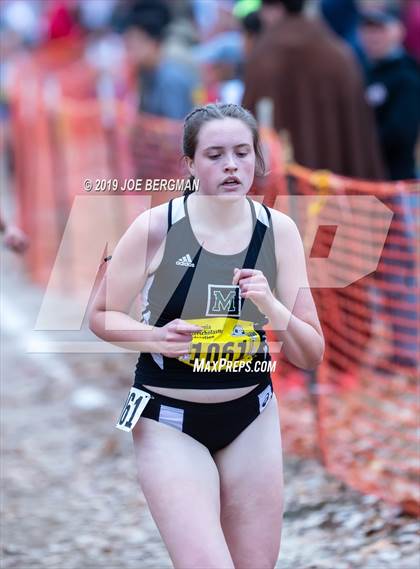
317 90
393 90
343 19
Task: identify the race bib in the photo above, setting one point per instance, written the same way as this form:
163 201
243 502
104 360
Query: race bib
222 338
133 407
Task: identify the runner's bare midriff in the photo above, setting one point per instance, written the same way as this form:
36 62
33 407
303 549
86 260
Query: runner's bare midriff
202 395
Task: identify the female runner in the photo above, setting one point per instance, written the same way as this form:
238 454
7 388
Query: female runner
213 268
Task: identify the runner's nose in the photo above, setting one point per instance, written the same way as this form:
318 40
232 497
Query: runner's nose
230 165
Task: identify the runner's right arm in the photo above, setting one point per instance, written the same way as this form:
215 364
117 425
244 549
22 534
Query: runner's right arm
125 278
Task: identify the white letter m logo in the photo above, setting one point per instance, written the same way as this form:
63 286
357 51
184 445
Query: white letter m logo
223 300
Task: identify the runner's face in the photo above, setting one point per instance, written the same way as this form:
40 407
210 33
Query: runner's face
224 160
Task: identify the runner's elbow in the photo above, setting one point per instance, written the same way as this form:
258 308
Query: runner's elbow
96 318
316 358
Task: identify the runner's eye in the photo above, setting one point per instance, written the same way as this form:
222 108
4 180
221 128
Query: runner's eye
242 154
214 156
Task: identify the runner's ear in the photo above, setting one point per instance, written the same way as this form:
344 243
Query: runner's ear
190 165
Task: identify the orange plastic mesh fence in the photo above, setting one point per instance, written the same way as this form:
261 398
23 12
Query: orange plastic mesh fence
56 150
364 402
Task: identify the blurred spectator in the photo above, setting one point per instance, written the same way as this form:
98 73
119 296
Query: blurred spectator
411 19
166 84
393 90
181 37
96 14
251 29
62 20
317 90
104 47
244 7
343 19
213 17
105 51
14 238
221 59
21 17
13 48
182 10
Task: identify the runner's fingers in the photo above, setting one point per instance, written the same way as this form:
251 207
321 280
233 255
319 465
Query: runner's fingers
254 294
236 276
174 342
239 274
187 329
175 351
181 347
186 352
174 336
253 279
253 286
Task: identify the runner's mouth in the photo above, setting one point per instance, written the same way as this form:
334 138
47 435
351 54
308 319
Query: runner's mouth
231 182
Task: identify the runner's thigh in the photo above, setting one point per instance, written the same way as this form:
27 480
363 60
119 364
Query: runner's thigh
181 484
251 481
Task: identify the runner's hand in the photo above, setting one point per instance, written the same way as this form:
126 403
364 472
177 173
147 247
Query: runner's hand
174 339
15 239
253 285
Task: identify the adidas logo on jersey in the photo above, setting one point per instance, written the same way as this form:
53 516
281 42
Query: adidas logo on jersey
185 261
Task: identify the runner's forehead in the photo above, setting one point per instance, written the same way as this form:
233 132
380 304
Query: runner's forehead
222 133
240 145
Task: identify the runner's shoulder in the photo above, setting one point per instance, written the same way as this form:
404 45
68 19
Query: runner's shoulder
153 224
284 228
282 223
